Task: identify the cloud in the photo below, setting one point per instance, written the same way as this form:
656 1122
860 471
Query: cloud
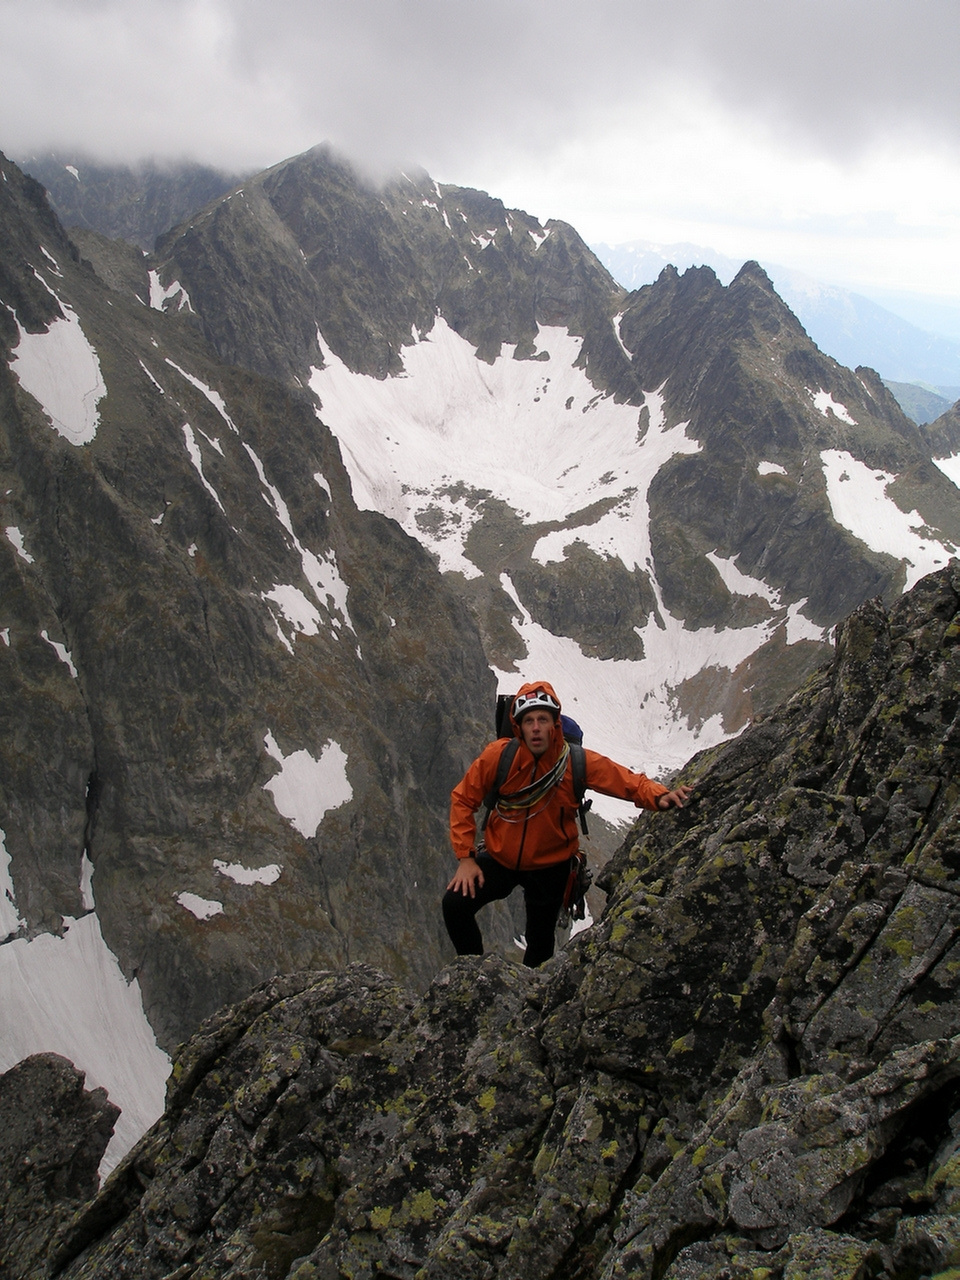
434 80
743 124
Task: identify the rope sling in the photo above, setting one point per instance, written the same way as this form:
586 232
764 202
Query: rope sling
517 804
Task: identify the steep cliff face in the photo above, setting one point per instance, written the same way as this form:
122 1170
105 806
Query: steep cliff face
221 684
134 203
748 1067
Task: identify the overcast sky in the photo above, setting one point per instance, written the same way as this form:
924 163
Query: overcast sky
820 134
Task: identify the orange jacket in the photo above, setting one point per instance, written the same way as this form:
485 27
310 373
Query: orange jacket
547 833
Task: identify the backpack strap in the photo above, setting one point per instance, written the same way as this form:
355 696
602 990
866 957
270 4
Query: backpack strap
578 763
510 750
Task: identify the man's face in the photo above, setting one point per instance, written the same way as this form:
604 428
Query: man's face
536 728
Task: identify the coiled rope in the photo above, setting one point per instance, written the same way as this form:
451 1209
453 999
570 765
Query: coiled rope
512 806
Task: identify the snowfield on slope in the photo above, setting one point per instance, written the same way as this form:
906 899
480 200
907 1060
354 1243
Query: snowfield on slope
535 433
538 434
859 501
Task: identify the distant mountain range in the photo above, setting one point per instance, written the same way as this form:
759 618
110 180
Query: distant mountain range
845 325
141 202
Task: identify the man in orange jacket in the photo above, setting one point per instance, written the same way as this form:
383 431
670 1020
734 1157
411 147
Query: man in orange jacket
531 834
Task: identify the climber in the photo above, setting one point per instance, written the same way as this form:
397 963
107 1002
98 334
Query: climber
531 829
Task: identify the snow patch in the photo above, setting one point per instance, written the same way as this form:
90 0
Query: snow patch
15 538
616 332
741 584
825 403
152 378
950 468
160 294
801 628
10 919
424 448
627 707
303 616
240 874
771 469
322 572
859 501
193 449
61 370
202 908
62 653
215 398
305 788
86 883
67 995
52 260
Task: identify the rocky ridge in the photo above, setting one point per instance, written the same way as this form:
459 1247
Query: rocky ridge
307 261
748 1067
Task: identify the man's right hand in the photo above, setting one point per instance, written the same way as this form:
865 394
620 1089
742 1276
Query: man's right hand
468 879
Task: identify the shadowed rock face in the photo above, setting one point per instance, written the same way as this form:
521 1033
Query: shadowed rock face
748 1067
162 556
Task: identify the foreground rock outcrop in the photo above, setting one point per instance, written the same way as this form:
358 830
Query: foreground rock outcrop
53 1133
749 1067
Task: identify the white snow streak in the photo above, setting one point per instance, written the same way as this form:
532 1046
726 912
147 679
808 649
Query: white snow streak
15 538
215 398
305 789
152 378
616 331
323 574
62 652
10 920
193 449
86 883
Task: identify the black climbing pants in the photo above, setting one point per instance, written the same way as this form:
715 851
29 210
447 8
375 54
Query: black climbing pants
542 895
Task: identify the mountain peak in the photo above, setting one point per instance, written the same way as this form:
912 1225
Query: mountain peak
752 272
